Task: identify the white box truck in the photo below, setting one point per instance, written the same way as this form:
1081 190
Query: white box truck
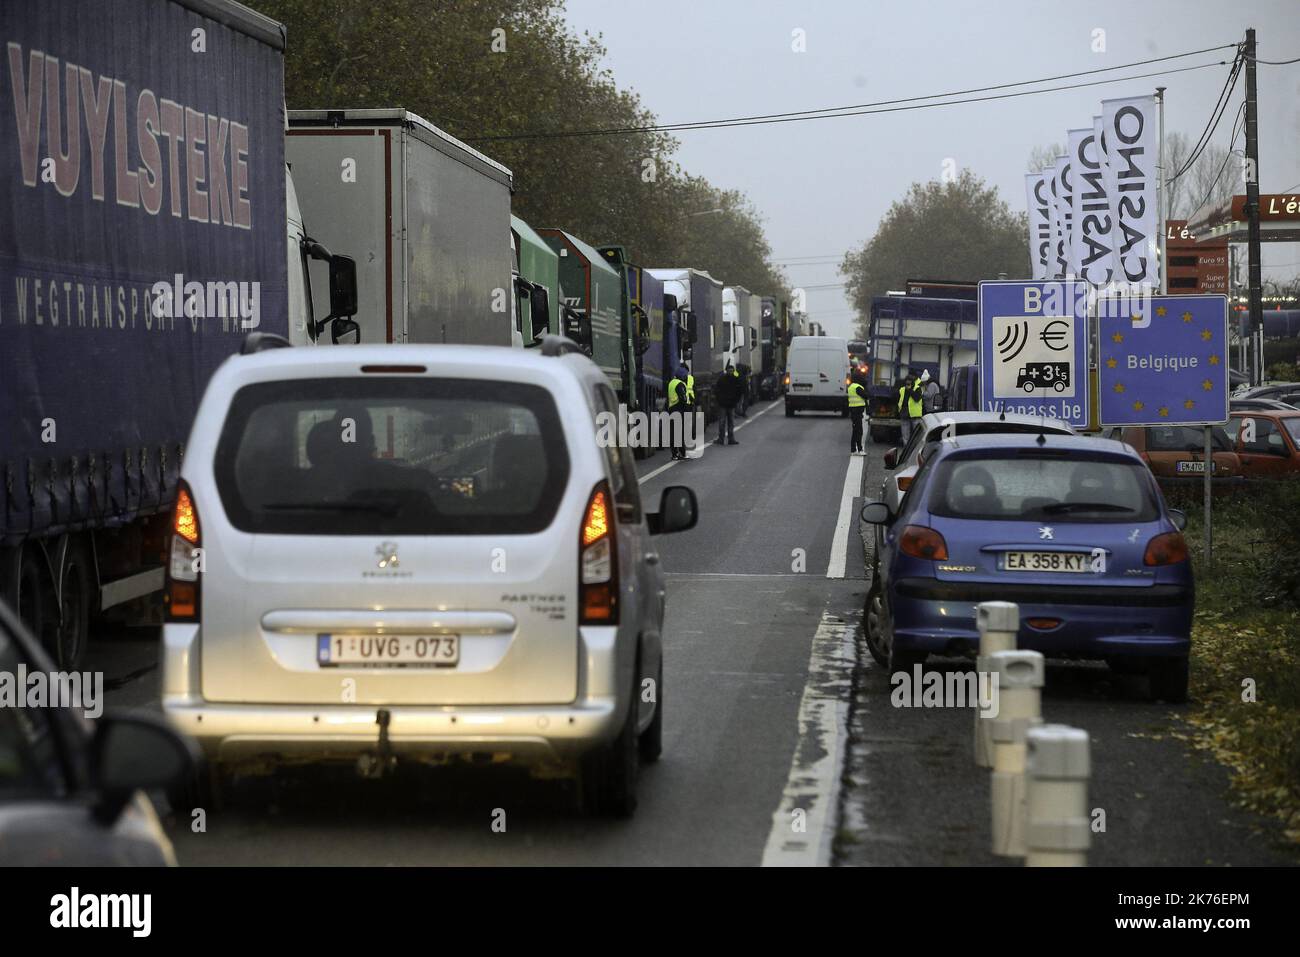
426 217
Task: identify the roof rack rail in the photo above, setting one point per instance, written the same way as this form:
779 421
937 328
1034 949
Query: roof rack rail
559 346
261 341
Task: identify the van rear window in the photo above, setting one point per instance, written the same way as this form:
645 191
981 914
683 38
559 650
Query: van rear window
391 456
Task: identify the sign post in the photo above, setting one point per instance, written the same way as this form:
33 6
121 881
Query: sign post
1163 363
1033 349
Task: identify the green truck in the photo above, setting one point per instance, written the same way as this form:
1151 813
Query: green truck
537 297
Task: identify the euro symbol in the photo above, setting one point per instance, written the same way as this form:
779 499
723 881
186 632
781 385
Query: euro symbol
1056 335
1014 340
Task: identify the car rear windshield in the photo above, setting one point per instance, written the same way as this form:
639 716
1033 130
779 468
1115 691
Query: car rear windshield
391 456
1184 438
1038 487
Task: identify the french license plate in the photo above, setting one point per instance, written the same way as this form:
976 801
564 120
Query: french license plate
1047 561
388 651
1192 466
802 385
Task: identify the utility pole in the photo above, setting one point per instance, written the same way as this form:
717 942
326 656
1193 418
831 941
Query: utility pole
1252 214
1162 213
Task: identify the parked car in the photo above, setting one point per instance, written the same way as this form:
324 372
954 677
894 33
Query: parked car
1264 405
410 552
1288 392
1071 528
1176 454
902 464
70 791
1272 450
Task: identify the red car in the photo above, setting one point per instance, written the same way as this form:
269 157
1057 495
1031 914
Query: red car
1269 446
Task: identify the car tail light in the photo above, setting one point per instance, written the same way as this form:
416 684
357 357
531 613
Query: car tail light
598 561
1169 548
904 482
1043 624
921 542
185 561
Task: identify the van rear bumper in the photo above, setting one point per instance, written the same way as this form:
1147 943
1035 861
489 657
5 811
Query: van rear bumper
828 403
240 733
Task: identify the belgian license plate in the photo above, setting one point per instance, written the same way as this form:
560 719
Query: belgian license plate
388 651
1047 561
1192 466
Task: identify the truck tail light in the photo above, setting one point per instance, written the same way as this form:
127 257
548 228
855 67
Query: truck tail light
598 561
922 542
185 560
1169 548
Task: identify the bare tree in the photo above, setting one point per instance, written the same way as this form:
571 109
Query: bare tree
1044 157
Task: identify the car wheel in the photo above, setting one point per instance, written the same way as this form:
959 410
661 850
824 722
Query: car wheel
609 773
899 659
873 624
877 434
204 788
789 411
1168 680
844 413
651 742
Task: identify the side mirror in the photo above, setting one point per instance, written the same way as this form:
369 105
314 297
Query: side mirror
342 327
1178 517
678 511
343 286
891 458
876 513
135 752
692 327
539 301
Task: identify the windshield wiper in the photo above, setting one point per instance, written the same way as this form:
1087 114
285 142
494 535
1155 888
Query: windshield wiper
1086 507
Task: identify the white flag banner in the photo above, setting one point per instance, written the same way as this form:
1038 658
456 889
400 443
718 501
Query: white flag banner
1038 202
1054 221
1091 252
1130 131
1065 217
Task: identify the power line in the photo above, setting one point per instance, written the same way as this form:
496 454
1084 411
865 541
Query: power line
864 109
1276 62
1231 143
1216 114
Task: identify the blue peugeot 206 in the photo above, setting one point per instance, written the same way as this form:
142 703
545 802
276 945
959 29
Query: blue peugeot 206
1071 528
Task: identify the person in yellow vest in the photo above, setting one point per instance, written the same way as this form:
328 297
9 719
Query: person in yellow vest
681 402
857 406
910 406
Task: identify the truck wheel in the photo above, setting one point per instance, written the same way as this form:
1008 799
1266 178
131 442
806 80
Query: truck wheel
651 742
609 773
73 629
1168 680
33 600
1029 388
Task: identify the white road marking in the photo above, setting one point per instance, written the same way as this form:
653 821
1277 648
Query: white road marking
813 785
840 543
667 465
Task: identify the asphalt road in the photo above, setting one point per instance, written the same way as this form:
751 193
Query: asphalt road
743 745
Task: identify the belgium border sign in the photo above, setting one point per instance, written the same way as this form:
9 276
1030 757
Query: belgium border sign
1163 364
1033 349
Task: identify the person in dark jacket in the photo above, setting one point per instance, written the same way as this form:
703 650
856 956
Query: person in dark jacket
742 407
727 391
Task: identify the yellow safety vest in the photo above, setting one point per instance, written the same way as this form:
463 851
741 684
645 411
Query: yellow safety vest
914 408
672 391
856 398
690 389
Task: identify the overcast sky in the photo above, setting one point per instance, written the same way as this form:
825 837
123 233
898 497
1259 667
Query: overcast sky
822 186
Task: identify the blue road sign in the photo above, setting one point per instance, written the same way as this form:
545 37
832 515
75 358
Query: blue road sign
1165 363
1033 352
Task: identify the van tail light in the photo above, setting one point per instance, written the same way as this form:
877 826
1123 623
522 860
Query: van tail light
185 561
1168 548
598 561
921 542
787 378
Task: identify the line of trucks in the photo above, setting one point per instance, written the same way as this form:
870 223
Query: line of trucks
158 203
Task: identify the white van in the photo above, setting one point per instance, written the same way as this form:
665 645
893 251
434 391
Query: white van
818 367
